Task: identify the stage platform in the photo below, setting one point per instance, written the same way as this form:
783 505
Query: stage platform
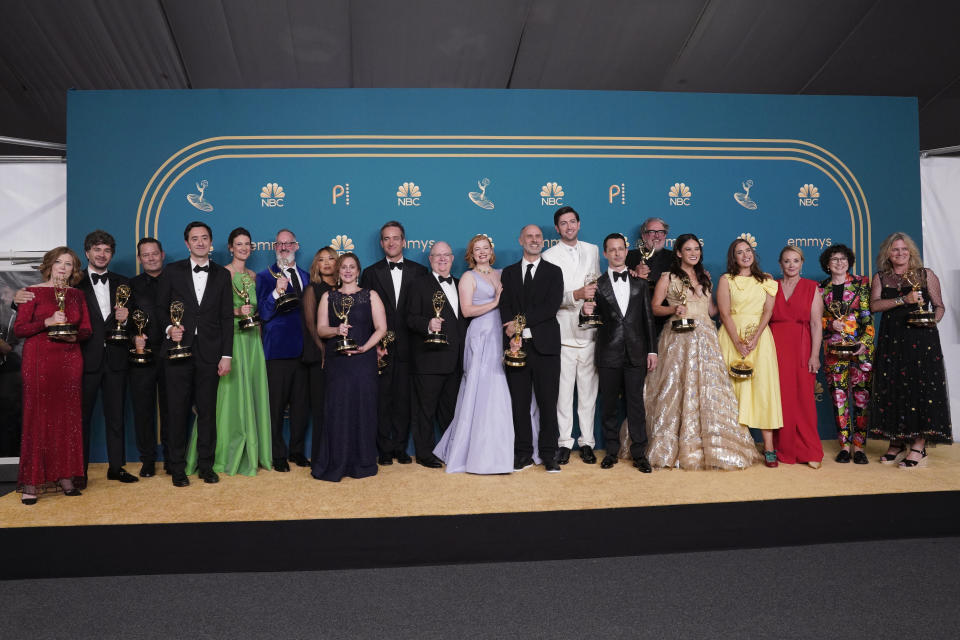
408 514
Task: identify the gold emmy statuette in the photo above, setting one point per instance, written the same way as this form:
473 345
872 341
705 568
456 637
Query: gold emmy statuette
683 324
437 338
920 317
253 320
847 346
645 254
742 369
515 356
593 320
145 355
119 333
288 300
344 343
178 352
385 341
61 330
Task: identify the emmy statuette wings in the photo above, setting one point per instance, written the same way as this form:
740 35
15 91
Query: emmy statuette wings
119 333
437 338
62 331
683 324
343 343
179 351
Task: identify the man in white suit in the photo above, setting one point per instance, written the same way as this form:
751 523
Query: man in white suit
576 259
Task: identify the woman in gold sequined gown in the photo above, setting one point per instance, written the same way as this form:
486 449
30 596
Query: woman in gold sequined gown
692 416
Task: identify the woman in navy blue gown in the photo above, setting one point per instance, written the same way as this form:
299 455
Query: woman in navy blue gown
348 442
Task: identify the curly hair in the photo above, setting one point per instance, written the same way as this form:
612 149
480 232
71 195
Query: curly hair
843 249
46 266
99 237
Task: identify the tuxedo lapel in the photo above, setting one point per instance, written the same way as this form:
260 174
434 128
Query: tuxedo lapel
386 283
605 287
635 297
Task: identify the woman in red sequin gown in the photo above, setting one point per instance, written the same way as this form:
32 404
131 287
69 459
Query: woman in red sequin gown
51 449
795 324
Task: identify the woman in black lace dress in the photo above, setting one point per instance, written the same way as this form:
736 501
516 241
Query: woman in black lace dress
909 403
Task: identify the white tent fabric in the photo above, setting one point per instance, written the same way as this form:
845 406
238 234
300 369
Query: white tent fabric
34 205
940 198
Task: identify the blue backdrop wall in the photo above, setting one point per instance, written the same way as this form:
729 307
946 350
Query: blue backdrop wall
333 165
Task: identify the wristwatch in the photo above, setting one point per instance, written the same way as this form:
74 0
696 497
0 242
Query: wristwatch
899 300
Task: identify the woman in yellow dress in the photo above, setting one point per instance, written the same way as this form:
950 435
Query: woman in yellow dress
745 298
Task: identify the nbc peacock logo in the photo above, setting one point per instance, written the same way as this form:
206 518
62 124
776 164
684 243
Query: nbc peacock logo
749 238
809 196
272 195
679 195
341 244
551 194
408 195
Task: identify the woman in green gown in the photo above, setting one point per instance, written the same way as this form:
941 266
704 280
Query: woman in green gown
243 405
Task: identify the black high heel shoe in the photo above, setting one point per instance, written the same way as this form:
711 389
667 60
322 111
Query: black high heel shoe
912 464
29 501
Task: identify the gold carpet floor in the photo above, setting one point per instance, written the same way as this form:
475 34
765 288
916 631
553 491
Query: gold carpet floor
412 490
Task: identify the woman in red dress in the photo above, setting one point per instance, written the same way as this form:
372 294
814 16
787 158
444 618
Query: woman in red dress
51 449
796 327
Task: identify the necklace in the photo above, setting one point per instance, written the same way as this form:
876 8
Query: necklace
484 271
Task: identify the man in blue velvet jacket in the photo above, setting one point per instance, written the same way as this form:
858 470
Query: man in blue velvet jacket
282 333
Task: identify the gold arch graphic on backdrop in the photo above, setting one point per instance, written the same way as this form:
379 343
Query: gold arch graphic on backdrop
828 168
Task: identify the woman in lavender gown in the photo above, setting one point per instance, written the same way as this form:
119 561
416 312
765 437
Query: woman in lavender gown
480 438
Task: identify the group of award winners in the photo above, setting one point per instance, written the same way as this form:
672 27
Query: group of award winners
498 363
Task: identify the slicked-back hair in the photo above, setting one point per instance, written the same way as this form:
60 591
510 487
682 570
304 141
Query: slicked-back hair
393 223
148 240
563 211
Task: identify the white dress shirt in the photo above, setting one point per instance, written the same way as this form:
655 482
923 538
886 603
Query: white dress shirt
102 291
199 278
451 292
397 276
621 289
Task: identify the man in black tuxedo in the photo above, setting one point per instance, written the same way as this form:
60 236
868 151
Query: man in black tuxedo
392 278
148 388
104 363
653 237
626 350
534 287
437 368
204 288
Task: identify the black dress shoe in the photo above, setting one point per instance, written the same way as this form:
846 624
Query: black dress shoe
121 475
28 501
563 455
180 480
643 465
148 470
73 492
551 466
522 462
385 459
587 455
80 482
843 457
608 461
859 457
431 463
279 464
402 457
299 460
209 476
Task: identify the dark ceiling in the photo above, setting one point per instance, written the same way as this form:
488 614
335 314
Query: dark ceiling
860 47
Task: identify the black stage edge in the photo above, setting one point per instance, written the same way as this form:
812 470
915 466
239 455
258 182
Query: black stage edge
307 545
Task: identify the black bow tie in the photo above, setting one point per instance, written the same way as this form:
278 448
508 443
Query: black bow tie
197 268
620 276
448 279
98 278
396 265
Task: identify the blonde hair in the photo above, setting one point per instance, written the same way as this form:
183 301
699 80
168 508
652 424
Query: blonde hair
315 265
46 266
796 250
469 255
883 254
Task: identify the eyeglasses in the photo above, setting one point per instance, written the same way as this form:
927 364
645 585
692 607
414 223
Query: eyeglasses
655 232
288 244
838 259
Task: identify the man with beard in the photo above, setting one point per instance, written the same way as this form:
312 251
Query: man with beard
282 334
650 259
